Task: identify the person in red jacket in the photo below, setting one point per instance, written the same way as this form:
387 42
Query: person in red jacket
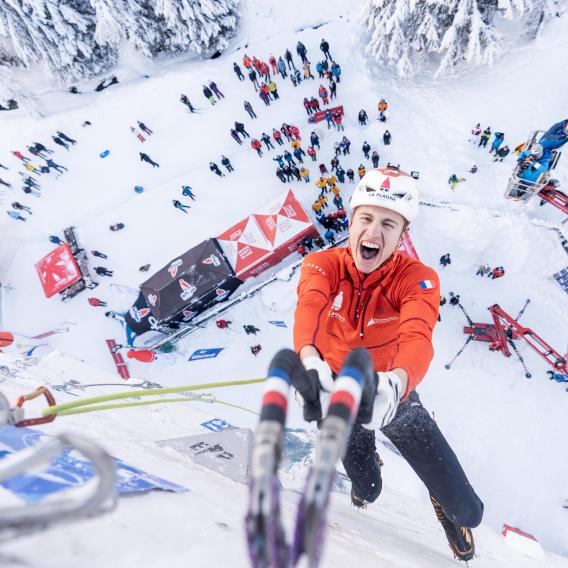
323 95
96 302
142 355
277 135
256 145
370 295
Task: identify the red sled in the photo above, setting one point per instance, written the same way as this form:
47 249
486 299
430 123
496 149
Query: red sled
119 361
320 114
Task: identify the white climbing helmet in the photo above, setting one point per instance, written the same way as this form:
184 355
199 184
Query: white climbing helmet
390 188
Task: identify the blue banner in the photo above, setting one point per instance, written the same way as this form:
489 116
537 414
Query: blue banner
216 425
562 279
68 470
278 323
205 353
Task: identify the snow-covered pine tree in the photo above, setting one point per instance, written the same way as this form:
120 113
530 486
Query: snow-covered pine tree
57 34
133 20
403 32
470 36
203 26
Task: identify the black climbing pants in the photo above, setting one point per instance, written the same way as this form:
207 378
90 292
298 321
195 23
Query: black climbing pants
422 445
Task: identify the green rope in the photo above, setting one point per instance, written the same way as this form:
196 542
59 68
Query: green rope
60 408
95 408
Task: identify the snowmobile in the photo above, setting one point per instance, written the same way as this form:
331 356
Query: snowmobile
527 179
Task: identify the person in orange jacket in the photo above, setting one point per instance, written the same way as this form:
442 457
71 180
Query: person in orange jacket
369 295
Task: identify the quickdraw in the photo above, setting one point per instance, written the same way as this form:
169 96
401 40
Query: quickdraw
18 412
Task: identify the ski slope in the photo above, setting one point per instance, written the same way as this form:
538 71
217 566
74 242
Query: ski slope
505 429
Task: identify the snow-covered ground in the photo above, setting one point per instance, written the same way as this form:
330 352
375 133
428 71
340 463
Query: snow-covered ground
506 430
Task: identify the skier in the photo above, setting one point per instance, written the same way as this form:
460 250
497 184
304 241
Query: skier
289 60
497 272
445 260
502 153
324 46
363 117
19 207
475 132
235 136
208 95
273 90
145 158
334 163
96 253
277 135
288 158
280 175
60 142
307 71
453 180
117 227
366 149
323 169
63 137
249 109
238 71
387 138
266 139
96 303
215 89
559 378
102 271
256 145
473 169
486 134
499 137
301 51
382 107
223 323
312 153
340 174
282 67
144 268
227 163
255 349
375 159
326 296
144 128
322 92
454 299
307 106
2 182
305 174
179 205
137 134
57 167
332 90
251 329
15 215
187 191
361 171
240 128
345 145
350 175
215 169
187 103
483 270
314 104
314 140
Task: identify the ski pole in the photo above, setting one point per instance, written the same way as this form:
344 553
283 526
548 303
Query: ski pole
448 365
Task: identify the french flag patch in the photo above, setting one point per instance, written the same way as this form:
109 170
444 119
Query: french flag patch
426 284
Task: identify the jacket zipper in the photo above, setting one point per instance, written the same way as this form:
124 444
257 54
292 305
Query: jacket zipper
359 292
362 326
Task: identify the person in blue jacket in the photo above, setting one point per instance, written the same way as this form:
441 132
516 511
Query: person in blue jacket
497 141
555 137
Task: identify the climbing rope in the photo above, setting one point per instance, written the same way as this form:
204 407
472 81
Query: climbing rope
15 415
